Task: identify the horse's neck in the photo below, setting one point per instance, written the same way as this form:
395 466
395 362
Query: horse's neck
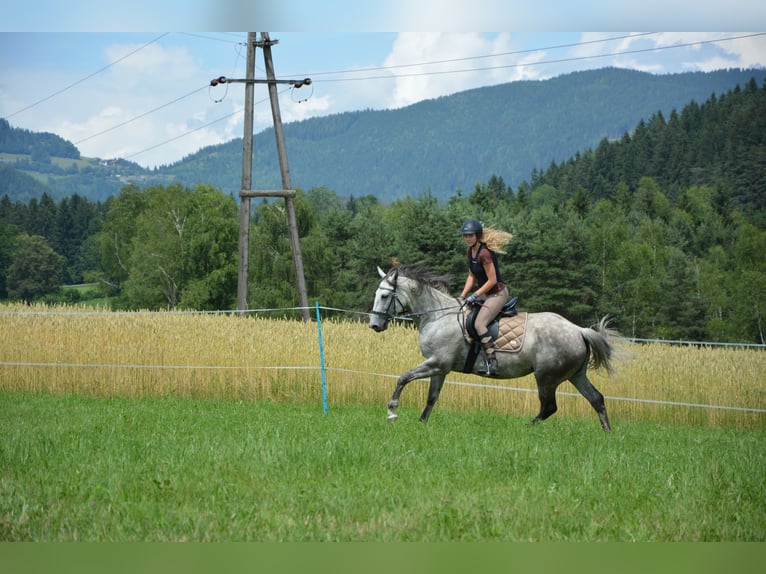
430 299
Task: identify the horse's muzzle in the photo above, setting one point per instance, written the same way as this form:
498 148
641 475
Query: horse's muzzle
378 328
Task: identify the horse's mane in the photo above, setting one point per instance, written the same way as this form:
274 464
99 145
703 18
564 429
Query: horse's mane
421 273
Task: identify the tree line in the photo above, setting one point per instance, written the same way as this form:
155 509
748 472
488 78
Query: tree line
663 229
695 270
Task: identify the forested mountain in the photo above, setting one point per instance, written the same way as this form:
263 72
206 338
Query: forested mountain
442 145
720 143
38 145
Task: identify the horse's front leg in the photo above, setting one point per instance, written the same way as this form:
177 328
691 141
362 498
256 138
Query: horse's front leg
422 371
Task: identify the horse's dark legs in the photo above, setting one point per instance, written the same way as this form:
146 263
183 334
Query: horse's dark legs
437 382
546 391
422 371
595 398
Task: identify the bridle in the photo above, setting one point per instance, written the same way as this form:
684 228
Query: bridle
387 314
394 300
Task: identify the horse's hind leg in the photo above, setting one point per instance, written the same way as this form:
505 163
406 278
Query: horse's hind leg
546 391
595 398
437 382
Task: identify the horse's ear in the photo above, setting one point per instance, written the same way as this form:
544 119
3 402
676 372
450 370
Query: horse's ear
380 272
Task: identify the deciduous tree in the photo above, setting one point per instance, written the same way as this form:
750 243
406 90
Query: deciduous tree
35 269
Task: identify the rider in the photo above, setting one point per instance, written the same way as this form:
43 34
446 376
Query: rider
484 275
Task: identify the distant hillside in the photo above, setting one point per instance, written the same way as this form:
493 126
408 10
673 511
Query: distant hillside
441 145
456 141
19 186
33 163
20 141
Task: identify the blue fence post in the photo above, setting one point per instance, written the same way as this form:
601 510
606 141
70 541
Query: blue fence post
321 359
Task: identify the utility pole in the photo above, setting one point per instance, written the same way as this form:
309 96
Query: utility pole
292 222
247 171
247 177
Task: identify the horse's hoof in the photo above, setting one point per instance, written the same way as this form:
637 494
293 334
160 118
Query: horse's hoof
392 416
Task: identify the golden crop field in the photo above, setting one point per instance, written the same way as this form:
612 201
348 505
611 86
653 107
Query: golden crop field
70 350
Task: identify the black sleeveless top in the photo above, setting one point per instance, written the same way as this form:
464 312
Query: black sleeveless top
474 264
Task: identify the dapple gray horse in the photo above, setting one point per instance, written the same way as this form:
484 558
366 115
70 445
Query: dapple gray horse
554 349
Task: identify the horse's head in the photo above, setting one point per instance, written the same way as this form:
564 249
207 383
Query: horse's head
387 303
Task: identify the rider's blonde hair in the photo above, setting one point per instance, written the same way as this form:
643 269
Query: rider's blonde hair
495 239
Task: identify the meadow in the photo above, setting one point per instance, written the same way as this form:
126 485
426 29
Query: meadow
164 469
158 427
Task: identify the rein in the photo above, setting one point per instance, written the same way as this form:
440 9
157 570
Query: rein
395 299
459 306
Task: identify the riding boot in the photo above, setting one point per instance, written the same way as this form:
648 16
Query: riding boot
489 350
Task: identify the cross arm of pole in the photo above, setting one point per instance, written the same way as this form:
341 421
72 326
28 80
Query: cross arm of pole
224 80
267 193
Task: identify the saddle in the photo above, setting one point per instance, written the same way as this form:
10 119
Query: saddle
507 329
508 310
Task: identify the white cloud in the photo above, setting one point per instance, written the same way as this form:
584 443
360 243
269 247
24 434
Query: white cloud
145 92
300 104
152 63
428 65
663 52
750 52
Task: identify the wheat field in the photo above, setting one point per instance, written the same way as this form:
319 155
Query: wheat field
66 350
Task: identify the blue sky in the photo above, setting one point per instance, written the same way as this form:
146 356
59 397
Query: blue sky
142 94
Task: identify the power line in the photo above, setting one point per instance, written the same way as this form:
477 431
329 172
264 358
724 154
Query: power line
195 129
89 76
178 137
206 37
531 64
178 99
497 55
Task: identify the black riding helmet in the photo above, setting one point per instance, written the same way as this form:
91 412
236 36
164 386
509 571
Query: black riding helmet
472 226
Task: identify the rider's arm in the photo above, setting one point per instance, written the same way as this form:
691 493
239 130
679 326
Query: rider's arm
469 283
489 269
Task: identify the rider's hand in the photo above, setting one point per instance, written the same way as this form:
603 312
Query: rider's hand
471 299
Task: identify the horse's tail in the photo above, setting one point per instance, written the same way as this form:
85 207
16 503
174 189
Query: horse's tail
601 350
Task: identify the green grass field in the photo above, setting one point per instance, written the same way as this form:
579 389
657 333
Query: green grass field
76 468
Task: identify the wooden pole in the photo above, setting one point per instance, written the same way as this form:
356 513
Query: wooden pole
292 222
247 178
